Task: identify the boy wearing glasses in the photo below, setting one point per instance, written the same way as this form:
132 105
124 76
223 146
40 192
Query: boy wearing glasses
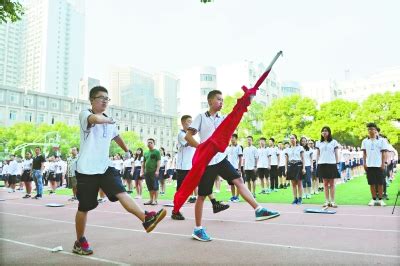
94 169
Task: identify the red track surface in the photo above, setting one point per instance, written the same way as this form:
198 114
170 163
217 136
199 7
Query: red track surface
359 235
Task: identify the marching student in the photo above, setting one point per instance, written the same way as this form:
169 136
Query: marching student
94 171
205 124
295 168
235 155
250 156
281 166
37 172
273 159
374 155
328 158
306 179
26 174
52 178
262 165
136 169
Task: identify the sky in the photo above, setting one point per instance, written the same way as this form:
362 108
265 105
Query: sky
320 39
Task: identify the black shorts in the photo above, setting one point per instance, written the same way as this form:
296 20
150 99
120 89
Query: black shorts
161 173
127 173
18 179
375 176
328 171
294 171
273 173
180 176
223 169
88 187
170 172
12 179
250 175
151 181
26 176
263 173
136 173
58 177
51 176
281 171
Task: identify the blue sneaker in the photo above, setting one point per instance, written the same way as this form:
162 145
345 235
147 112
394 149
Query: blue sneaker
201 235
232 199
295 201
236 199
265 214
299 201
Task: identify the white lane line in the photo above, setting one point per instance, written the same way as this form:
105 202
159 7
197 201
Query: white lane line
236 210
63 252
218 239
258 223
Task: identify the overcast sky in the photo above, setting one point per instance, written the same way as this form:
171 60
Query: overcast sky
320 39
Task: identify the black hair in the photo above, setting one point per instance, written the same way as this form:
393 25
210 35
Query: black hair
137 157
151 140
163 151
329 136
305 146
250 137
95 90
262 138
212 93
272 139
235 136
374 126
184 117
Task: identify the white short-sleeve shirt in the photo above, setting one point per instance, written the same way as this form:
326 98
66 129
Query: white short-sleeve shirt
262 154
374 149
95 145
234 154
138 162
28 164
307 157
282 157
327 151
205 124
128 163
273 153
294 153
250 155
13 168
185 153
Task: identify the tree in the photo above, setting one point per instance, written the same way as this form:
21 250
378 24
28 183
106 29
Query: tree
10 11
288 115
131 139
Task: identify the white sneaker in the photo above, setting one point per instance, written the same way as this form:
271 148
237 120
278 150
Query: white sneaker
382 203
371 202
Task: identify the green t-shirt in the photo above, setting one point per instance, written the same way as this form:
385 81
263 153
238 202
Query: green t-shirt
150 160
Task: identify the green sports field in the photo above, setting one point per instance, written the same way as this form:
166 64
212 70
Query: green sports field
354 192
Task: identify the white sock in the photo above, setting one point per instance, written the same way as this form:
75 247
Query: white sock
259 208
198 227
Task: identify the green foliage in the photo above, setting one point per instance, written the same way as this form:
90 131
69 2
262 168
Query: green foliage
300 115
69 136
10 11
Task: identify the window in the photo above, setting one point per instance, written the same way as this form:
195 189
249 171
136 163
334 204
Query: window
42 103
207 77
67 107
126 128
205 91
204 105
40 118
28 101
155 131
54 105
1 96
14 98
52 120
13 115
28 117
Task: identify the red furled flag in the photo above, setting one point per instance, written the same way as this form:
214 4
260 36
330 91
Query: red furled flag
218 141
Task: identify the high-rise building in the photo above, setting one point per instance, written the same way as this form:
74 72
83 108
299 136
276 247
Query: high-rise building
133 88
85 85
232 77
53 46
10 53
321 91
195 84
166 87
289 88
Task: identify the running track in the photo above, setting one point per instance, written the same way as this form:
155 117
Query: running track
355 235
